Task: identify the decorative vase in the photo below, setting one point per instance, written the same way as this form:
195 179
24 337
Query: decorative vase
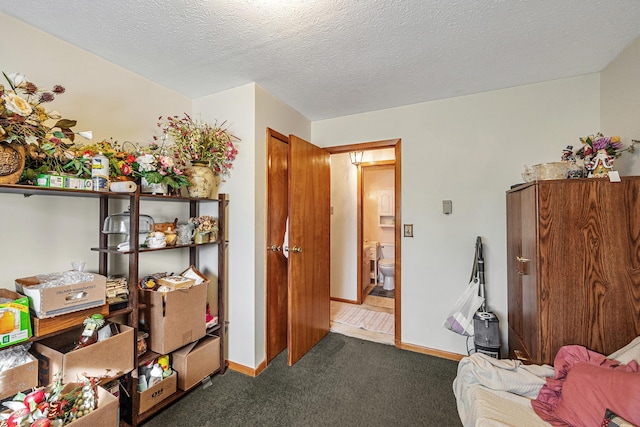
203 181
12 157
149 188
600 165
201 237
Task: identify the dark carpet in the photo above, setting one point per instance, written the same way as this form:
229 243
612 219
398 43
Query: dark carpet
342 381
379 291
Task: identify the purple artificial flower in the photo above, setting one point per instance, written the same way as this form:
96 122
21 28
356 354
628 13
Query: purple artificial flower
46 97
601 143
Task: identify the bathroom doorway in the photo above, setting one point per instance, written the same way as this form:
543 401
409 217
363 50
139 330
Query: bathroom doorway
377 219
351 269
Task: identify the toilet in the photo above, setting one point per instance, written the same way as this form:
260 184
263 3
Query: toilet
386 265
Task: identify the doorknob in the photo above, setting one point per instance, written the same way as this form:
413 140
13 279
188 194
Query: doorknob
297 249
274 248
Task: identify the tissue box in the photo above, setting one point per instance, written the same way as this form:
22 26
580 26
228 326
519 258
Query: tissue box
15 322
50 302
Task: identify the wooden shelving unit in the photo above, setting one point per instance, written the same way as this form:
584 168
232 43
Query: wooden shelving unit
129 401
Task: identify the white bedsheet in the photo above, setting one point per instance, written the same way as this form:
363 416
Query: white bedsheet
497 393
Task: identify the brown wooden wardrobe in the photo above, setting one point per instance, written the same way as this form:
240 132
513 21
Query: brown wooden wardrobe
573 261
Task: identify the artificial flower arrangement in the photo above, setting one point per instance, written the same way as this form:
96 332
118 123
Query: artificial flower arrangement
49 406
196 141
157 167
204 223
133 164
599 152
28 129
23 118
593 143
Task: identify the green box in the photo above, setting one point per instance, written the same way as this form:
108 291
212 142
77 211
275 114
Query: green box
15 321
52 181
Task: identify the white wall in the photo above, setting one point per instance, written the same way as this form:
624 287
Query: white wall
275 114
248 111
236 106
620 105
344 223
44 234
470 150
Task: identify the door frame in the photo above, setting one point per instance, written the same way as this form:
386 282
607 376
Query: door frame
275 313
376 145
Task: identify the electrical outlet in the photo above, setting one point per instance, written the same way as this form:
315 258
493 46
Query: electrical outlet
408 230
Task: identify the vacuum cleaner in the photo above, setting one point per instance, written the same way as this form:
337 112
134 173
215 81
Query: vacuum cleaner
486 338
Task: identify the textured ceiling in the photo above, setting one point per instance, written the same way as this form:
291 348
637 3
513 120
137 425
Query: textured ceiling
330 58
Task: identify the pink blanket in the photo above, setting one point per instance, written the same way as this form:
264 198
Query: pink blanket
586 384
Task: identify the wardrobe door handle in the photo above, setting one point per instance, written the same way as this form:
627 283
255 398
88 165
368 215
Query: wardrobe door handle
521 267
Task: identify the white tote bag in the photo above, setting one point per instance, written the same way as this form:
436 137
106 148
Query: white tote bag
460 319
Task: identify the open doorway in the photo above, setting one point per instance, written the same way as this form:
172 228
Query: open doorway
376 194
353 273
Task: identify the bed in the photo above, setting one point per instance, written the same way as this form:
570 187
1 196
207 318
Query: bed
499 393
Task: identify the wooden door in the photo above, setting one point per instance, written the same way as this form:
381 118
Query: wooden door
522 274
277 205
514 276
309 210
529 268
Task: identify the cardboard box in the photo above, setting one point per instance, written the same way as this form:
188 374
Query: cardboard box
110 358
157 393
175 318
15 322
105 415
49 302
19 379
196 361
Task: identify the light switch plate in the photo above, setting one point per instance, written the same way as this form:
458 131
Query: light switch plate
447 207
408 230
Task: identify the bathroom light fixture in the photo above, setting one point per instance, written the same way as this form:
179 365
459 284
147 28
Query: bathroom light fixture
356 157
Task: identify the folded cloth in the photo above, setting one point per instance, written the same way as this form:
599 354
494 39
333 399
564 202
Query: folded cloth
586 384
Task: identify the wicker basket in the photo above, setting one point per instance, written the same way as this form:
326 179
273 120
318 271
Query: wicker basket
12 158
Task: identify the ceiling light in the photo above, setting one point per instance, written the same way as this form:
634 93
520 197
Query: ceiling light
356 157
